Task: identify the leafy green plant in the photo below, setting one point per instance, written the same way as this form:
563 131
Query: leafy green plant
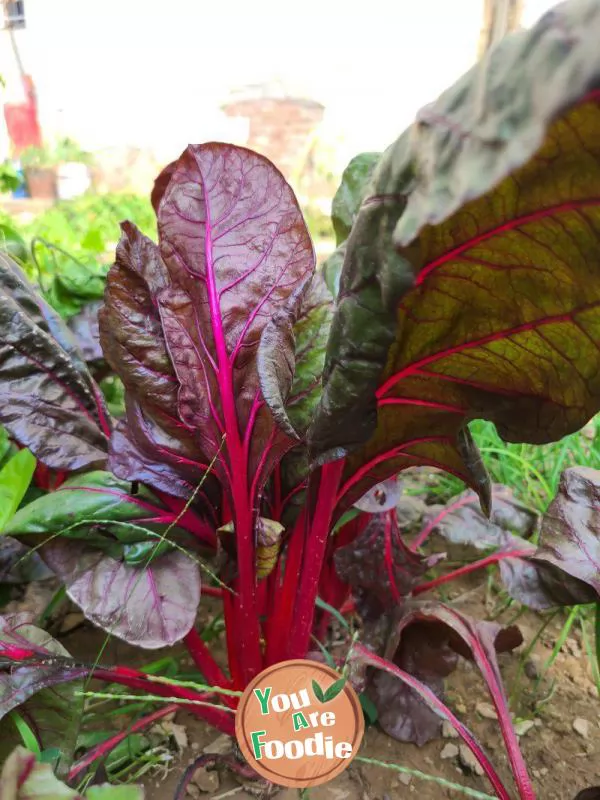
266 426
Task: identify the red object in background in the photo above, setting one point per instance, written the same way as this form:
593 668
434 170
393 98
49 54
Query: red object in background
22 120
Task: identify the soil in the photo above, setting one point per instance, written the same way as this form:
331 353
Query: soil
560 760
561 747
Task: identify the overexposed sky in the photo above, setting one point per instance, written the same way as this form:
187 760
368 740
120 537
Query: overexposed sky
155 72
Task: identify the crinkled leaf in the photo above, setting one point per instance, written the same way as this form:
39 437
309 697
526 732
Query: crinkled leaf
425 653
344 209
15 477
350 194
151 444
379 565
150 605
568 556
44 691
85 329
48 400
310 332
23 777
470 286
236 248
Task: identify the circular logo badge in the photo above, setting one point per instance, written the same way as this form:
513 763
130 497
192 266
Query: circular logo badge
299 723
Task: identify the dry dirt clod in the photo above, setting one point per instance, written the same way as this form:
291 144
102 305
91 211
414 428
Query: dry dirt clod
221 745
449 751
486 710
468 761
524 726
582 727
448 732
205 780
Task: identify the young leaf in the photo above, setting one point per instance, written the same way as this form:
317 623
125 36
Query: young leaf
318 692
471 285
15 477
150 605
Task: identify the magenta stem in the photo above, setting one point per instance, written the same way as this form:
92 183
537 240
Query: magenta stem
457 573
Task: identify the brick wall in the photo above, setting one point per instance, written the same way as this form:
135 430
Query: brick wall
280 128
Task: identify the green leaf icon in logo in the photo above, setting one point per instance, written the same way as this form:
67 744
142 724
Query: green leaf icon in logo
330 693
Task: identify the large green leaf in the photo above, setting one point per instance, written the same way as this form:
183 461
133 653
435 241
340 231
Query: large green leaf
91 498
15 477
344 208
471 285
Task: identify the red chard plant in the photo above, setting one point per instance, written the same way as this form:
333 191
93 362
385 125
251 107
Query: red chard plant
266 422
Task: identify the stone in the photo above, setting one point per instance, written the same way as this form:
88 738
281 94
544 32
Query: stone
193 791
468 761
486 710
449 751
405 779
524 726
205 780
221 745
581 727
448 732
531 670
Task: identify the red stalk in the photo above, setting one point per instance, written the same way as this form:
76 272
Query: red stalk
133 679
204 660
312 562
492 677
367 656
105 747
457 573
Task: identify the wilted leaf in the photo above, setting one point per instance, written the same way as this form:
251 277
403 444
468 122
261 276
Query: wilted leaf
471 286
151 605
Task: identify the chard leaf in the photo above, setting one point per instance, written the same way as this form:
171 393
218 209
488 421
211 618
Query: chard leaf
471 287
18 564
344 209
151 444
84 327
23 777
379 566
44 689
15 477
46 393
237 249
96 496
568 556
150 605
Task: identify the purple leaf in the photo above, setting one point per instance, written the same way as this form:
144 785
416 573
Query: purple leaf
43 689
151 605
568 556
379 565
18 564
48 400
236 247
84 327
